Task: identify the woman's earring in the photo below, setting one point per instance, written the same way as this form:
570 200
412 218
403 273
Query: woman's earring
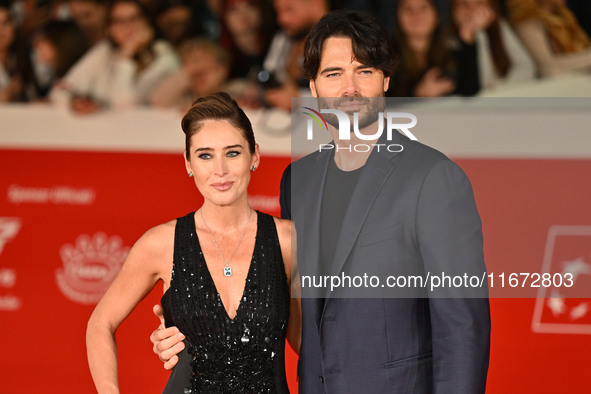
254 168
190 174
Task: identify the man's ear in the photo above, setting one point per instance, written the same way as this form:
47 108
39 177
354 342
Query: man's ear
386 83
313 88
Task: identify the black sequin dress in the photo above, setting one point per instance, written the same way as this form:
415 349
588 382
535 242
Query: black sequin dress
240 355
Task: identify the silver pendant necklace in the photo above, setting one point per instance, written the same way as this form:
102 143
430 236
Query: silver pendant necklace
227 268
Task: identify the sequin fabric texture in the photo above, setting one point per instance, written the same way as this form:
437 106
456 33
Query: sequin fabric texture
240 355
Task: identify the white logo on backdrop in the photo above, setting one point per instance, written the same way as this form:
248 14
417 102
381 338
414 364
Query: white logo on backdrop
90 266
7 277
58 195
557 303
9 228
7 281
554 311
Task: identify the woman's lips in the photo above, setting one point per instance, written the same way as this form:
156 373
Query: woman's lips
222 186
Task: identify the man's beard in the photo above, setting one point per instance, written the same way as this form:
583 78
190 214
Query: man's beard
368 113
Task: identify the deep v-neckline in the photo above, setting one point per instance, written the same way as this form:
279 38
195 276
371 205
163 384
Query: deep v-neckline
210 277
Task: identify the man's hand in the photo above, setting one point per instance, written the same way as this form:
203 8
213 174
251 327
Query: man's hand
168 342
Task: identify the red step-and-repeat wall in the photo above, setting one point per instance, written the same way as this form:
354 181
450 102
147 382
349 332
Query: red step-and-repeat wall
67 219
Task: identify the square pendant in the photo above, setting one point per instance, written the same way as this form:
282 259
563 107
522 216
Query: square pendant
227 271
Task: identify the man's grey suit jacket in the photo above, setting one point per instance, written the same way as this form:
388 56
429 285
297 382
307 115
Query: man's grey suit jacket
411 212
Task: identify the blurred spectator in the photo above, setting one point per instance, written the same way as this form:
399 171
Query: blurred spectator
31 15
205 69
383 10
151 7
207 16
552 35
283 76
501 56
175 21
426 67
215 6
10 80
91 17
247 29
178 20
121 71
56 48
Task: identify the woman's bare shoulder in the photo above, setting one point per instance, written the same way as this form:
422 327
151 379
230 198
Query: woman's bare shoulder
157 241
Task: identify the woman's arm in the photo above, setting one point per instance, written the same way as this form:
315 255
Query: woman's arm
522 65
144 266
286 233
171 90
165 63
81 79
130 87
535 39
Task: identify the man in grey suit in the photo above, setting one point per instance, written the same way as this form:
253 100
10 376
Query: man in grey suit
394 213
401 212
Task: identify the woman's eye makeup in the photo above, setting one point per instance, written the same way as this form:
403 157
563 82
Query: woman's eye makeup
231 153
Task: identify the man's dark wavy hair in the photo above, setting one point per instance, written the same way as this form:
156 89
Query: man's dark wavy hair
371 41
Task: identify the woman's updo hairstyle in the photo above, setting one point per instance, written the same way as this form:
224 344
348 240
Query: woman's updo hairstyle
216 106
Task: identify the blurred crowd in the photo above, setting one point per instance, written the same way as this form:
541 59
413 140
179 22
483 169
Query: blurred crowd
88 55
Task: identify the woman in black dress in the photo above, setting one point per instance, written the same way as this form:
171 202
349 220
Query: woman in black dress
226 270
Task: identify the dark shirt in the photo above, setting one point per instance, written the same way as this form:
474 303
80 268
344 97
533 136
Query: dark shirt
338 189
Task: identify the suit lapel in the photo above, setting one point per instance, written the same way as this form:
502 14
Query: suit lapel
310 206
375 173
372 179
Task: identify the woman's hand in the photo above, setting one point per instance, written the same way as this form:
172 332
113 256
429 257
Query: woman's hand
470 20
433 84
142 36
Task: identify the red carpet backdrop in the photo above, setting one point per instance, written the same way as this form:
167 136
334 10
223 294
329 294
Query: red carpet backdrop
68 218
